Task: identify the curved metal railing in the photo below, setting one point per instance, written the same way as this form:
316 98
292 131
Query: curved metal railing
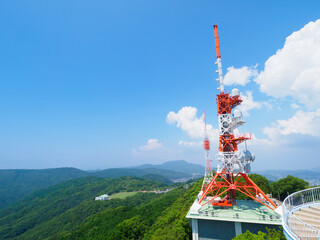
292 225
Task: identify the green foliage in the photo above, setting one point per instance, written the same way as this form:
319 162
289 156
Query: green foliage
276 234
119 172
173 224
68 211
158 178
261 181
133 228
122 195
178 165
44 206
288 185
106 224
272 234
250 236
17 184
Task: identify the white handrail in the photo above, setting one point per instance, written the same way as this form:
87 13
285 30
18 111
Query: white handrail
292 224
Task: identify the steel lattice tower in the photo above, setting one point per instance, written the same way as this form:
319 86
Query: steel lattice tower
208 169
228 180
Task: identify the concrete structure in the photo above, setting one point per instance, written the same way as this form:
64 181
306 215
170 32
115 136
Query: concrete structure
301 215
102 197
213 222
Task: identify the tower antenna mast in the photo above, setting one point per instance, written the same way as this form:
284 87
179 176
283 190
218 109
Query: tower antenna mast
233 166
208 169
218 62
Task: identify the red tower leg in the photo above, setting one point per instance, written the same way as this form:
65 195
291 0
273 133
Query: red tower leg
228 183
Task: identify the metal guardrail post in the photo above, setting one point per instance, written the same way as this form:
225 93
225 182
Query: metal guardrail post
313 195
290 221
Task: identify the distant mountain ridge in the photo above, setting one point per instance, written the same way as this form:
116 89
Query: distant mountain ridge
119 172
178 165
15 184
311 176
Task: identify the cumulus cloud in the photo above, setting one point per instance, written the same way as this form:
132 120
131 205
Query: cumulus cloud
255 141
155 151
239 76
301 123
248 103
152 144
190 144
294 106
295 69
186 119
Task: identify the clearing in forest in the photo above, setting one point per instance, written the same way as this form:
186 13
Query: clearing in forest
123 195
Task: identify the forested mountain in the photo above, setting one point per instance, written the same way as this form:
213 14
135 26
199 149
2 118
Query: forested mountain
178 166
311 176
68 211
18 183
119 172
158 177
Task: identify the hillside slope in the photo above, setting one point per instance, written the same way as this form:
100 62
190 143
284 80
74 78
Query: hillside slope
178 166
311 176
17 184
119 172
47 212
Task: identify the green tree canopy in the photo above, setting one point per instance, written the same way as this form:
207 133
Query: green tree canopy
261 181
272 234
133 228
285 186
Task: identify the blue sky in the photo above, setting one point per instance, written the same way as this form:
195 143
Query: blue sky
90 84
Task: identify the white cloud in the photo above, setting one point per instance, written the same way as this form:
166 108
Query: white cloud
189 144
186 119
294 106
152 144
301 123
259 141
248 103
239 76
295 69
155 150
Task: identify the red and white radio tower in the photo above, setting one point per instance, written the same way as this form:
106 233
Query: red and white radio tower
233 166
208 169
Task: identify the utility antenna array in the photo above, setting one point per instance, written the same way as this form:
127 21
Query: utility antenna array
233 166
208 169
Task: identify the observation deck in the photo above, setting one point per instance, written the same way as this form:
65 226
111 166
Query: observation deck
301 215
214 222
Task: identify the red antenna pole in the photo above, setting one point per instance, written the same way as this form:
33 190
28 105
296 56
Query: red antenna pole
218 62
216 37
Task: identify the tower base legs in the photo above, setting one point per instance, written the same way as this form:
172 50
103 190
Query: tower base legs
221 191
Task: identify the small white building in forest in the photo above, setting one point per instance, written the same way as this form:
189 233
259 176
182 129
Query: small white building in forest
103 197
